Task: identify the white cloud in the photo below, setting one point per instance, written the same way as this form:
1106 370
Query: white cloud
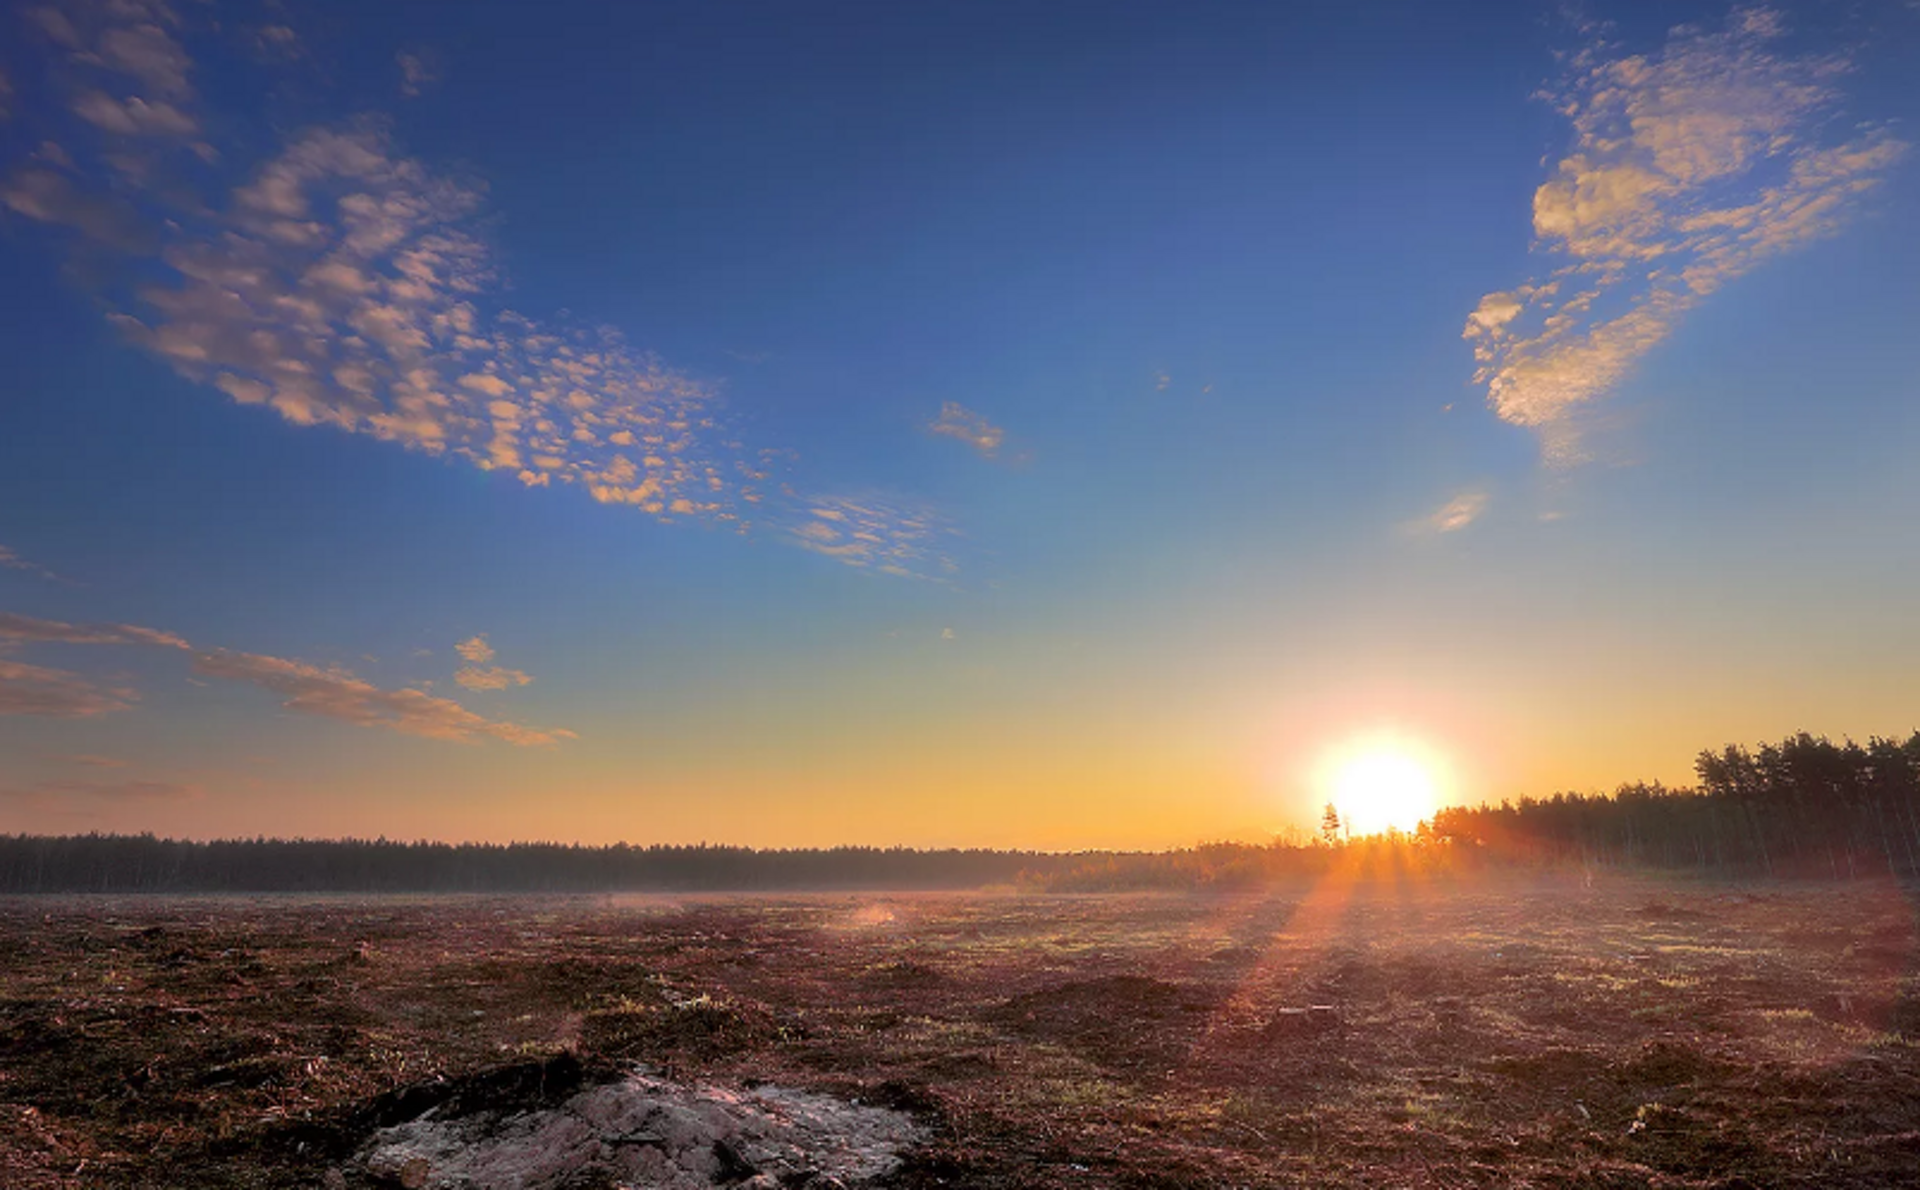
475 649
958 421
1456 514
1688 168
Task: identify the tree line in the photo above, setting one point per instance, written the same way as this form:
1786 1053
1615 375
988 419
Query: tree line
146 864
1804 807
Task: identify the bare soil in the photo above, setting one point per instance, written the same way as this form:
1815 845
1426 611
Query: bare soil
1547 1032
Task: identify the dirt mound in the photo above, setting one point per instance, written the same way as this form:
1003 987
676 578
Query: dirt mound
519 1087
1666 1063
638 1131
699 1026
1120 1020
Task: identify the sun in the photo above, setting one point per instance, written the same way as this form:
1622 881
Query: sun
1381 784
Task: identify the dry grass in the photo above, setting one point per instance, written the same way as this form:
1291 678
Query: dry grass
1526 1034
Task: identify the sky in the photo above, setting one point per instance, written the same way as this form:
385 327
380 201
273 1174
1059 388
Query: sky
1055 426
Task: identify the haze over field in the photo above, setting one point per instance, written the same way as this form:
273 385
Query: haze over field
957 425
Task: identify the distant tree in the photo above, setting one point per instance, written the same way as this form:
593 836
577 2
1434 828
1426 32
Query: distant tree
1330 825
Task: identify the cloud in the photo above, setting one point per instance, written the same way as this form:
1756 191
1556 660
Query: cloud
1457 513
49 197
126 42
342 284
958 421
335 693
55 693
479 675
277 42
12 561
338 289
890 535
148 54
1688 168
417 73
493 677
331 692
29 628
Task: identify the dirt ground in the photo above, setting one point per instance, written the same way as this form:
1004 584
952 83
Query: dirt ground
1559 1031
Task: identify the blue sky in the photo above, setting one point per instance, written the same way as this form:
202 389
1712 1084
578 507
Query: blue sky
938 424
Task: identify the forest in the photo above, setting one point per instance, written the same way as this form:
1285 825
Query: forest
1805 807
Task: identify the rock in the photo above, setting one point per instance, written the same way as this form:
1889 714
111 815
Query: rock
643 1131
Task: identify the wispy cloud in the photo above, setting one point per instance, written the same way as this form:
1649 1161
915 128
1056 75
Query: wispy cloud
337 694
12 561
1688 167
1456 514
30 628
475 649
958 421
278 43
417 73
56 693
331 692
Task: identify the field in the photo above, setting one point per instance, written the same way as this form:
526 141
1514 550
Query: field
1557 1031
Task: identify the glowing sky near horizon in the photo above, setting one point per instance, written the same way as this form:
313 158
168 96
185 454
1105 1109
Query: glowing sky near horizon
975 424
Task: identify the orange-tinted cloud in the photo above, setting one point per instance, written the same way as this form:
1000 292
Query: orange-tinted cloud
958 421
337 694
56 693
1688 168
29 628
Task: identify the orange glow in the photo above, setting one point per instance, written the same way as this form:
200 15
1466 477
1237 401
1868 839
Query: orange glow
1384 782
